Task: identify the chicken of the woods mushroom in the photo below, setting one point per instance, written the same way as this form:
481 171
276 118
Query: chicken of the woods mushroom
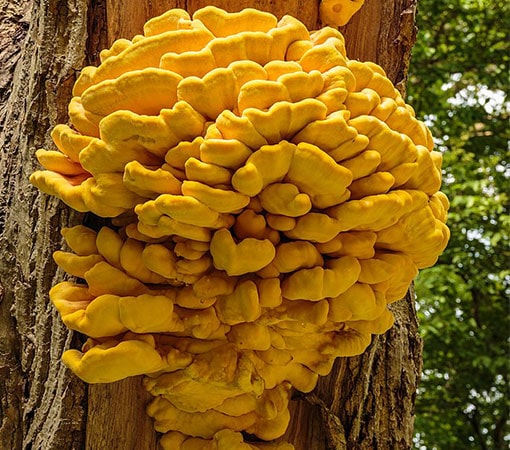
268 196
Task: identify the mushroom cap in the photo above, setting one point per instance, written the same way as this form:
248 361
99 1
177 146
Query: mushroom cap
336 13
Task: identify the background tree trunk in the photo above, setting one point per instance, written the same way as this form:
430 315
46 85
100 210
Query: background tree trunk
366 403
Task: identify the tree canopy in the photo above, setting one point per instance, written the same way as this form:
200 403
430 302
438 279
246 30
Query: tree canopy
458 84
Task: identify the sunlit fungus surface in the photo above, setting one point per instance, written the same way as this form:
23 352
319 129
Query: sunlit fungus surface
268 198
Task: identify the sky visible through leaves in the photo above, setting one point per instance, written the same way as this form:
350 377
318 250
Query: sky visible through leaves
458 84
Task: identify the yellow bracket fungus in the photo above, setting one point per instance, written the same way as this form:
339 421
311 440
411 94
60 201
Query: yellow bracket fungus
249 255
269 198
338 12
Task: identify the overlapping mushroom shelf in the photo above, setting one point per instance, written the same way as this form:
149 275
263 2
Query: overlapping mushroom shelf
269 198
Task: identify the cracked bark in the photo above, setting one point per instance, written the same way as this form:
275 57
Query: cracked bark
366 403
41 404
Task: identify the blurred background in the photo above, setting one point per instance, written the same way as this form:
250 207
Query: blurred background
459 84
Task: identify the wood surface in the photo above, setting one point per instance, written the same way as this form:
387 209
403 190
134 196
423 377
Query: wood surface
42 406
366 403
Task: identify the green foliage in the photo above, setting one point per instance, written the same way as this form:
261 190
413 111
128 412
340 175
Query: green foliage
459 83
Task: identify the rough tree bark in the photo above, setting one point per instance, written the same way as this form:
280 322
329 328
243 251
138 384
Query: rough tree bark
366 403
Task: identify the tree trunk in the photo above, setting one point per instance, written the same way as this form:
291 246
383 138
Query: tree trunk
366 402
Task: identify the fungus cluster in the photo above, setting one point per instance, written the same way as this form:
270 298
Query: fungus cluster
268 197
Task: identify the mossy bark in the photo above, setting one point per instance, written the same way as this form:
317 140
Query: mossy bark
366 403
